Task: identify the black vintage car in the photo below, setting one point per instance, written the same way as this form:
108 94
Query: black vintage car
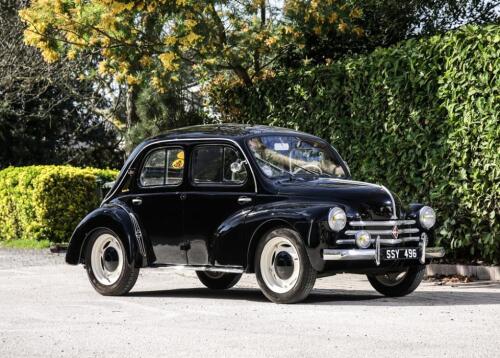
228 199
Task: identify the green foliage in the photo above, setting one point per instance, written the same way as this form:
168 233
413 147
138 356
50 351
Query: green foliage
421 117
160 112
25 244
47 202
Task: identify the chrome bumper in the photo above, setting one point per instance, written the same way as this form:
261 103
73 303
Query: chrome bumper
374 254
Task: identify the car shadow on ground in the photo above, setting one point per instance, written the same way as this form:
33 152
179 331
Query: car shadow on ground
341 296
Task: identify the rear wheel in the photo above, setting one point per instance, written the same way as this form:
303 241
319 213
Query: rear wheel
218 280
107 266
282 267
398 284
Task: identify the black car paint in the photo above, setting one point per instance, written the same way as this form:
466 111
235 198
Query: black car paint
204 225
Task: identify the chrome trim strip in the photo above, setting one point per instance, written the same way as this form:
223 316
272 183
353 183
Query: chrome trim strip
370 254
125 172
423 245
382 223
377 251
137 231
200 268
394 215
348 255
345 241
398 241
384 232
382 241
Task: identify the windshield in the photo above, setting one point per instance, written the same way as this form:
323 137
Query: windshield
292 156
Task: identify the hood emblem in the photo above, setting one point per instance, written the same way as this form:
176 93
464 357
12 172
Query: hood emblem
395 232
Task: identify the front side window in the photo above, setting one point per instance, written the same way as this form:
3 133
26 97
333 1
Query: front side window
163 166
217 164
292 156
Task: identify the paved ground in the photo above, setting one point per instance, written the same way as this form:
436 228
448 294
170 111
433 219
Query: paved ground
48 309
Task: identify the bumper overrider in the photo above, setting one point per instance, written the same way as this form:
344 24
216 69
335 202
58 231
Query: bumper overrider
374 254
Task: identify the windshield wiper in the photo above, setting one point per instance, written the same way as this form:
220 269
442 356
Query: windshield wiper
306 170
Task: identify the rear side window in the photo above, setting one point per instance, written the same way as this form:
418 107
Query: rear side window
163 167
211 164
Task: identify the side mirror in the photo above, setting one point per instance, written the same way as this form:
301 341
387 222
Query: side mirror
237 166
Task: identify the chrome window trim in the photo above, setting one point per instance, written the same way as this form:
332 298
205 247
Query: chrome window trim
187 140
213 184
143 162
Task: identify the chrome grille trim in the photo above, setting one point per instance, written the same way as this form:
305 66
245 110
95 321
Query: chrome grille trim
383 223
382 241
384 232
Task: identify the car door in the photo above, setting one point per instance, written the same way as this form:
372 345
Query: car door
216 193
158 202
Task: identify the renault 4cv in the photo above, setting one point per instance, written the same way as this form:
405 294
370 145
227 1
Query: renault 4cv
229 199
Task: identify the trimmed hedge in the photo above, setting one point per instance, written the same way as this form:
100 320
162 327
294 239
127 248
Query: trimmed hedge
421 117
47 202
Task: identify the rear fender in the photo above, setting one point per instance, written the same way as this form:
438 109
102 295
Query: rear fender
118 218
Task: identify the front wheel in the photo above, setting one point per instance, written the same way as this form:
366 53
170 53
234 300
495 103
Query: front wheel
218 280
107 266
398 284
282 267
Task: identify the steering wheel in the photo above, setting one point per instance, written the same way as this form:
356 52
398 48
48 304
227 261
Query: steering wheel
309 167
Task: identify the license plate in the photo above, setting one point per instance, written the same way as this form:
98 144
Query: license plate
399 254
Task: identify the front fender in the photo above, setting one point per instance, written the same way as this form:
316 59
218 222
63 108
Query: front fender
117 218
303 216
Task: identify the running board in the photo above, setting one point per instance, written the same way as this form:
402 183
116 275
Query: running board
228 269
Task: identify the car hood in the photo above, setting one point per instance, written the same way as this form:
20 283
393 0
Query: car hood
361 199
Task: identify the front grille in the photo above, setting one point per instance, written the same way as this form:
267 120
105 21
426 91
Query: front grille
408 233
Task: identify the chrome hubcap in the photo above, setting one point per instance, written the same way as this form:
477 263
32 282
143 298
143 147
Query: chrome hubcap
280 265
107 259
391 279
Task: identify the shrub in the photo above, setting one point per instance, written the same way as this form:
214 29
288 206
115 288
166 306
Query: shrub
47 202
421 117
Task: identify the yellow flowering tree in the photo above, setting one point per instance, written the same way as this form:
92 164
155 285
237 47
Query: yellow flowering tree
157 42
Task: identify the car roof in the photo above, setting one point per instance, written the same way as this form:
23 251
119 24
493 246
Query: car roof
224 130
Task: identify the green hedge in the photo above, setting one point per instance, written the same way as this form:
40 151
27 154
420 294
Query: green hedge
421 117
47 202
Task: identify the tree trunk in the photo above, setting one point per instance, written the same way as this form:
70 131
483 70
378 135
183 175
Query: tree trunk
243 75
131 107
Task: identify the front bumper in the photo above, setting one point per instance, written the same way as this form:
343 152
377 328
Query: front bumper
374 254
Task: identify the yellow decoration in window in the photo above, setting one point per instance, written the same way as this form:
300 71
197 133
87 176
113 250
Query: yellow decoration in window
178 164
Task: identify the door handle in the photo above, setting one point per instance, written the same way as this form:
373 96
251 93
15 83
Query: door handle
244 200
137 201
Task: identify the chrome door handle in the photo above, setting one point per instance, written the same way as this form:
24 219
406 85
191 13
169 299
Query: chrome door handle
244 199
137 201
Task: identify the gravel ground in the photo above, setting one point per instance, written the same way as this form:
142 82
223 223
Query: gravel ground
48 309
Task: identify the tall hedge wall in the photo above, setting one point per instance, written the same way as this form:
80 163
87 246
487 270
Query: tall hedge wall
421 117
47 202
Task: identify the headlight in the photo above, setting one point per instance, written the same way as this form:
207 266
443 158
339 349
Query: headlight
337 219
363 239
427 217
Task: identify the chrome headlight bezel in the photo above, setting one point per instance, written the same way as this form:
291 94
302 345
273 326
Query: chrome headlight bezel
337 219
427 217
